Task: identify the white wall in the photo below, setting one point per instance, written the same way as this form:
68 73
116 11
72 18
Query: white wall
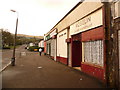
61 44
52 47
31 44
41 43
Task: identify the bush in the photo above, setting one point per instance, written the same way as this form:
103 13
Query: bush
31 48
6 47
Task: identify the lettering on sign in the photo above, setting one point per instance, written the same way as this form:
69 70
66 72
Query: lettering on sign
83 24
93 20
83 21
62 34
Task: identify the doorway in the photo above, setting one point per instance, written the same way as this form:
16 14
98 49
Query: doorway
76 50
49 49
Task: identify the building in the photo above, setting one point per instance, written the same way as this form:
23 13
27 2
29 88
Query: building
50 44
31 44
41 44
82 39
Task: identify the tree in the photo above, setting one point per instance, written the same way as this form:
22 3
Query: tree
7 38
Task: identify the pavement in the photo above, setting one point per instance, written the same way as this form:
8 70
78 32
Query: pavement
5 59
6 55
34 71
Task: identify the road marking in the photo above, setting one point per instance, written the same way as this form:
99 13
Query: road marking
39 67
23 53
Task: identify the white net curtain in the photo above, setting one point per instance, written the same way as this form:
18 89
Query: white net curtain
93 52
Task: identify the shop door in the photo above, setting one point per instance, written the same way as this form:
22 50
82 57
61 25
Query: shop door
76 50
49 49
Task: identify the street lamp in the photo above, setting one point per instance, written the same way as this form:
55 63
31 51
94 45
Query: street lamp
13 57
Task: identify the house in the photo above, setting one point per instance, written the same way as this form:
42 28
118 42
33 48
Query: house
31 44
41 44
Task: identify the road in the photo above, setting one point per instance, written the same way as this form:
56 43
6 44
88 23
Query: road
7 55
34 71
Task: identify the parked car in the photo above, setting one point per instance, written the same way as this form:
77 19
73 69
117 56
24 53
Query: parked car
33 48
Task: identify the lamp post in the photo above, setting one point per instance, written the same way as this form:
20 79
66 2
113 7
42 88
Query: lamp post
13 57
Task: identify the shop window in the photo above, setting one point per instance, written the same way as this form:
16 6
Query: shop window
93 52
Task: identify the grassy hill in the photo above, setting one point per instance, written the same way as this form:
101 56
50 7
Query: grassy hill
30 36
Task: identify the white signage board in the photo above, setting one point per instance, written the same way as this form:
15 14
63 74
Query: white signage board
91 21
53 33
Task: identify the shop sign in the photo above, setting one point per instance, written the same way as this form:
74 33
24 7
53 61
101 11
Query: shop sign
47 37
62 34
53 33
93 20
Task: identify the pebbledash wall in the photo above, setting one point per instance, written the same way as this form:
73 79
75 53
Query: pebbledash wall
79 39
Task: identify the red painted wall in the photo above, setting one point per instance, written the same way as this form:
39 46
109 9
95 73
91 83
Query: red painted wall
94 34
44 46
93 71
62 60
52 57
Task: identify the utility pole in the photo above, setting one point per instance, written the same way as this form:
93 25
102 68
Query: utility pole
115 23
111 48
13 57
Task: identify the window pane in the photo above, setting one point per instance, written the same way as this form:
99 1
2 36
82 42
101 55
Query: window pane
93 52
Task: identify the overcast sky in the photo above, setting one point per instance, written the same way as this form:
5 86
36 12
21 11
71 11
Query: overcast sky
36 17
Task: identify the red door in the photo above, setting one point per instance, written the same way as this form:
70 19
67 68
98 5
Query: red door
76 50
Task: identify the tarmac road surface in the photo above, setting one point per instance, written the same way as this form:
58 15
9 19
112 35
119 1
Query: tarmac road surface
34 71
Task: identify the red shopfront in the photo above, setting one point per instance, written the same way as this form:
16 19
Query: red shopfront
87 44
88 52
93 62
44 47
